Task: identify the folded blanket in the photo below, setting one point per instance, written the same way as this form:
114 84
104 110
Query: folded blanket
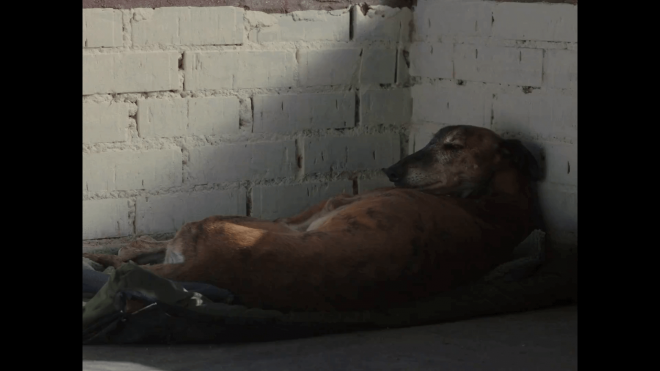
93 281
174 314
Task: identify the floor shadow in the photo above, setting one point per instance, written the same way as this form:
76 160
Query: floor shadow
539 340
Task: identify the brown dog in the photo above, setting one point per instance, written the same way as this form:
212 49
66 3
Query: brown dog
460 206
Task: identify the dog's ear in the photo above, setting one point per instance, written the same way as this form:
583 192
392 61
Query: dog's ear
522 158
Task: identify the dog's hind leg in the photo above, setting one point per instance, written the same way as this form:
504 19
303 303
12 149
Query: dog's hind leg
144 251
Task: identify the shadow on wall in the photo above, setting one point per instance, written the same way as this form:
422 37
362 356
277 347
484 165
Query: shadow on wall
510 67
221 111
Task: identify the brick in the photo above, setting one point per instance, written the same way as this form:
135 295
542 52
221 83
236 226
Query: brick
211 70
537 116
266 69
328 67
129 170
214 115
514 66
106 219
378 66
432 60
544 22
421 135
130 72
311 25
162 117
105 122
168 213
102 28
561 165
187 26
234 162
366 185
256 21
559 207
272 202
434 19
560 69
239 69
391 107
362 152
192 116
382 23
451 105
221 163
288 113
403 67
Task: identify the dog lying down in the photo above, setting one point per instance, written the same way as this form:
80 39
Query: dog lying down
137 307
458 208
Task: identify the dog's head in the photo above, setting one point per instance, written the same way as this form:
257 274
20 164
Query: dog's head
461 159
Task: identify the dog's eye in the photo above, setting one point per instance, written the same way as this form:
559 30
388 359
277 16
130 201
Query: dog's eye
452 146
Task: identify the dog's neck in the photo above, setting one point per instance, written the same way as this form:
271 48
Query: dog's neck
509 181
503 182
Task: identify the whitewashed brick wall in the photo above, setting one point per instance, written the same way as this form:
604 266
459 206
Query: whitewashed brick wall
510 67
192 112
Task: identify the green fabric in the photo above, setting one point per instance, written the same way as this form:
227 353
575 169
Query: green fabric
177 316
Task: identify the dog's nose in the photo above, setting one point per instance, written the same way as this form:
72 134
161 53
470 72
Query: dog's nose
393 174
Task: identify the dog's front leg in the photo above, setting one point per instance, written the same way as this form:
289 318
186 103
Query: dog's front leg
144 250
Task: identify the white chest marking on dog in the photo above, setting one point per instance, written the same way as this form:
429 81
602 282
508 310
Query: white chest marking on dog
173 257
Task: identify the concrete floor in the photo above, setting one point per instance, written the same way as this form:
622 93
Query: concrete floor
539 340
